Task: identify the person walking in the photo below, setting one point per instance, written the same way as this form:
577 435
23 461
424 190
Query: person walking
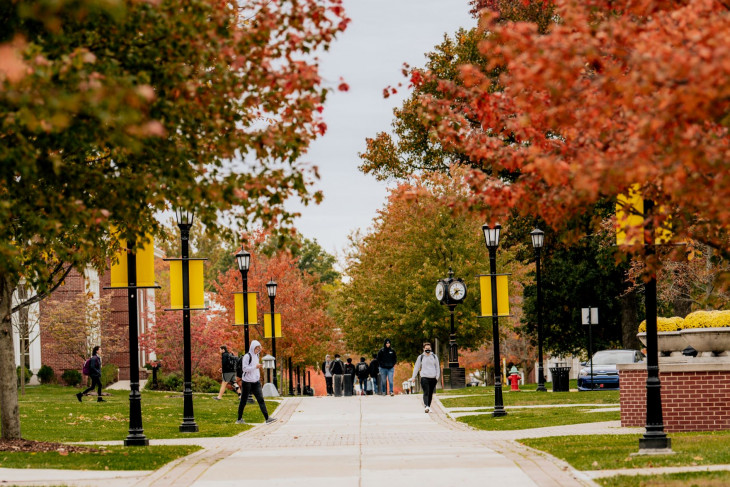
350 370
386 361
228 370
251 375
338 371
428 365
92 368
362 372
327 374
374 370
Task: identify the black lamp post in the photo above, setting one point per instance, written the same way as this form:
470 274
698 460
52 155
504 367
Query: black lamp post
185 222
491 238
243 259
538 238
271 291
654 437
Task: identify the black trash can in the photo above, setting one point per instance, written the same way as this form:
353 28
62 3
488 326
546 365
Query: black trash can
348 385
561 378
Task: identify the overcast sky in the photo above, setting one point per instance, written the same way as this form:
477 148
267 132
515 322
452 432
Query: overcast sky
382 36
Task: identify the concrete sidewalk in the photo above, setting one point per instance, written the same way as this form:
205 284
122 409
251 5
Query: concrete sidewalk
350 441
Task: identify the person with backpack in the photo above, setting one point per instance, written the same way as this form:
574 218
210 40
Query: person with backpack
362 371
338 370
428 365
386 361
374 369
92 368
228 370
251 374
327 374
350 370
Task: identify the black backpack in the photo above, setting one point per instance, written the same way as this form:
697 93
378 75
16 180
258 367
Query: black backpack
239 365
232 362
362 369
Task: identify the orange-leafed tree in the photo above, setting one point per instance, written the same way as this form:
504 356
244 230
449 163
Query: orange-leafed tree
612 94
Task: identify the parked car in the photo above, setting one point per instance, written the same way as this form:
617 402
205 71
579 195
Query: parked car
605 373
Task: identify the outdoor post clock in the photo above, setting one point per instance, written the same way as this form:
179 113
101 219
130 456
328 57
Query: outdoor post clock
450 291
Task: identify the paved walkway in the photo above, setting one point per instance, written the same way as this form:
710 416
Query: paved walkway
352 441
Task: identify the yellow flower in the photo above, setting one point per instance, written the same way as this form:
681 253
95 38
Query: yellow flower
664 324
707 319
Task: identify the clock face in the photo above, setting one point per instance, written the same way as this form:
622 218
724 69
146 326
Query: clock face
457 290
440 290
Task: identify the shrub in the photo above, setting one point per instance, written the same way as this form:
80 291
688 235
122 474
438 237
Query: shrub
71 377
203 383
664 324
707 319
28 375
109 374
170 382
46 374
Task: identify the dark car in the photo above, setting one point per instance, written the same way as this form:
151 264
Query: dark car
605 373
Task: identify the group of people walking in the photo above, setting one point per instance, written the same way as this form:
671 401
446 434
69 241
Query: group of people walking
372 377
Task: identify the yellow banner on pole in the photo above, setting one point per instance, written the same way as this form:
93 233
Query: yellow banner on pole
630 220
267 325
252 311
145 267
485 286
196 284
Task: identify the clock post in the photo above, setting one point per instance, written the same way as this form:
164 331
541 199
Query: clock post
451 292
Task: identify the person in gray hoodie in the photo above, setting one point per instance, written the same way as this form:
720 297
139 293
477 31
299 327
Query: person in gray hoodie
251 375
428 364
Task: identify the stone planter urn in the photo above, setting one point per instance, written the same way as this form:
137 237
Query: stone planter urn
668 342
709 341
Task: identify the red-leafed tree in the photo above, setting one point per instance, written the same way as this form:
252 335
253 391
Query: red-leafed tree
612 94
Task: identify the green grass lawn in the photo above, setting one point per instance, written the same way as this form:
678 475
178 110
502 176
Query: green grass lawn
52 413
530 398
110 458
607 452
694 479
518 419
505 388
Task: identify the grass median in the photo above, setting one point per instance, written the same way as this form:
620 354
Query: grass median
609 452
694 479
531 398
52 413
518 419
105 458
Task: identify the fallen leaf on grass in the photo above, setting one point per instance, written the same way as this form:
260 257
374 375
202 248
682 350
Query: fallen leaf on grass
595 464
628 459
63 453
698 458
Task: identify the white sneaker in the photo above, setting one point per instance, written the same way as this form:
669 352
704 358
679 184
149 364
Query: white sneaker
271 420
428 409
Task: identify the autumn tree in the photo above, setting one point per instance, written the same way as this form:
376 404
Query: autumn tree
617 93
393 271
112 111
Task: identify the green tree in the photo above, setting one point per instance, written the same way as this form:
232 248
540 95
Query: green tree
114 110
313 259
393 272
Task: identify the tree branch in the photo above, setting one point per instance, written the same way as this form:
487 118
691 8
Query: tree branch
41 296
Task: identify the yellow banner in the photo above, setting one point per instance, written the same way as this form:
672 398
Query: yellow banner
630 220
267 325
252 312
196 284
485 286
630 217
145 265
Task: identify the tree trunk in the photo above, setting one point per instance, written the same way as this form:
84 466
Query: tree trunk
9 414
630 321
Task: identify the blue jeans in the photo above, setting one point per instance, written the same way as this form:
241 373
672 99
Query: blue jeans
386 374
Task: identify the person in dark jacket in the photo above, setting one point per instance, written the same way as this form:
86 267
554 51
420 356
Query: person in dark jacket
338 370
228 370
386 361
350 370
362 371
94 374
374 370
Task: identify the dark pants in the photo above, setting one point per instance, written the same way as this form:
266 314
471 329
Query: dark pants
328 381
255 389
95 382
428 385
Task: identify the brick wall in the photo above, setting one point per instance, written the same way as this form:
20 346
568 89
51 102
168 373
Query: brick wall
692 399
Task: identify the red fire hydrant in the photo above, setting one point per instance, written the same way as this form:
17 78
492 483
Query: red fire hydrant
514 379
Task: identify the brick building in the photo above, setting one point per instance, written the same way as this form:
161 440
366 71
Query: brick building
90 282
